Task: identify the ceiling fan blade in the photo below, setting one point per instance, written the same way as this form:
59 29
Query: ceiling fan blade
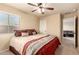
34 10
39 4
49 8
31 4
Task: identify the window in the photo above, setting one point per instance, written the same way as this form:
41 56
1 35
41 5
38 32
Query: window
13 22
8 22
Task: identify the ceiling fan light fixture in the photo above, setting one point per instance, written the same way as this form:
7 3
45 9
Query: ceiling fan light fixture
74 10
43 10
39 10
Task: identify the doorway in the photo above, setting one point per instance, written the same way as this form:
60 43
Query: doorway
69 31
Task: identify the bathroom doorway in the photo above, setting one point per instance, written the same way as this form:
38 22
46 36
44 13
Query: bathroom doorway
69 31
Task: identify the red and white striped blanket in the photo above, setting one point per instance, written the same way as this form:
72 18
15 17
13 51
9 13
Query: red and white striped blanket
31 44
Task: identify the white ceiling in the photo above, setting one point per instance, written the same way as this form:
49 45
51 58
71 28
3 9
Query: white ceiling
58 8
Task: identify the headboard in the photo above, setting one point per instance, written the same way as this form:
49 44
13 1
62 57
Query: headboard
30 31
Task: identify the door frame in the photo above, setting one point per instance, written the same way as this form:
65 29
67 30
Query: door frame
76 31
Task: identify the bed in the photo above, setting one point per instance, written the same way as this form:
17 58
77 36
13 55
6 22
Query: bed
33 43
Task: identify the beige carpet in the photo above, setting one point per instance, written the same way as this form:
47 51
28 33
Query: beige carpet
67 48
7 53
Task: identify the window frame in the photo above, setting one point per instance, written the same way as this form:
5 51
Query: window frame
8 26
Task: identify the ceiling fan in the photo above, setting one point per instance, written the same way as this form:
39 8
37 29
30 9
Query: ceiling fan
41 7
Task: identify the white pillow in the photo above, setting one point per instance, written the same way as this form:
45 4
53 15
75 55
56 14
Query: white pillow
25 34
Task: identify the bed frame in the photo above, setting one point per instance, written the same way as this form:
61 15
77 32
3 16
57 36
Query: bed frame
12 49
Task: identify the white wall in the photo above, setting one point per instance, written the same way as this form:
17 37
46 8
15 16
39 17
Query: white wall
4 41
51 24
69 23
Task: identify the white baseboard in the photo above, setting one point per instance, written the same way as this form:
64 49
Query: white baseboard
4 50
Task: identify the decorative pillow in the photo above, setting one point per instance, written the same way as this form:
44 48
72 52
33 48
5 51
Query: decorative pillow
25 34
30 32
17 34
34 33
